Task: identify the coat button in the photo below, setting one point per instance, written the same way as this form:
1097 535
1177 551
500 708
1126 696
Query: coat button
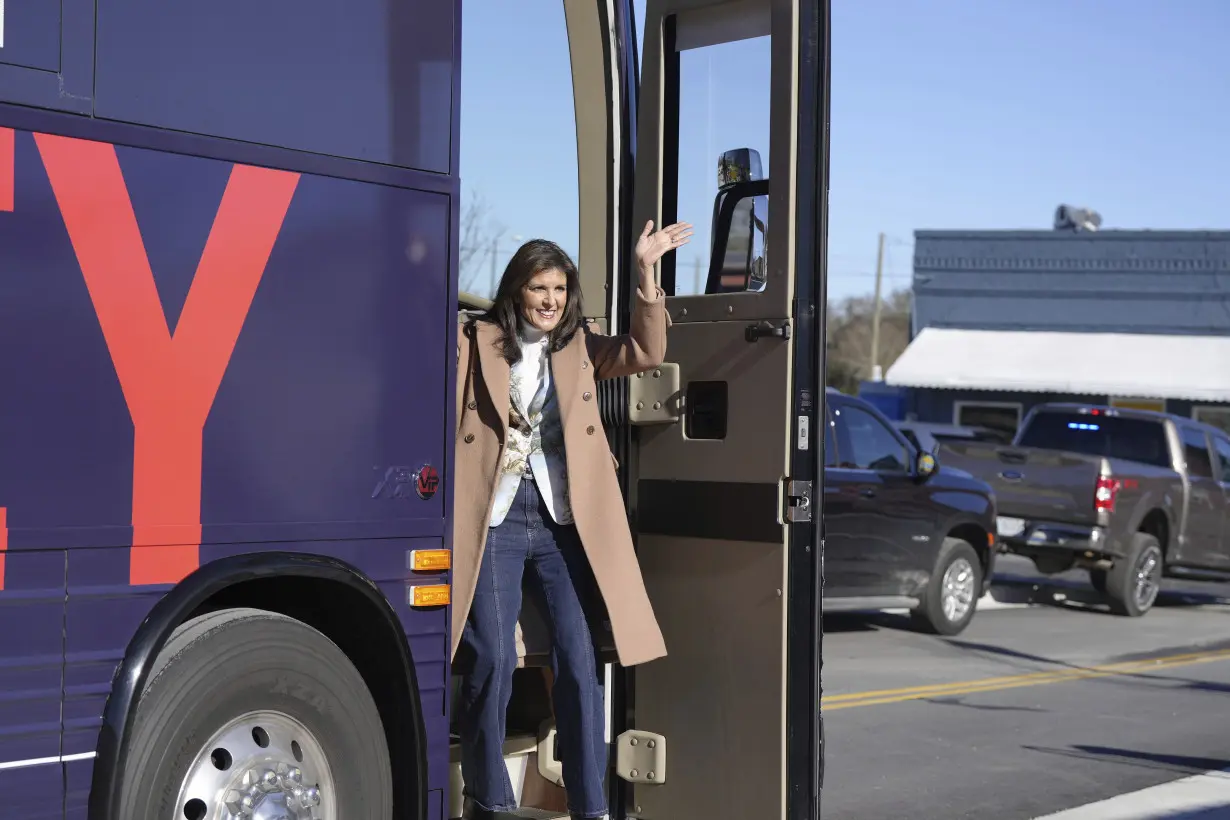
590 429
472 405
469 438
587 395
584 365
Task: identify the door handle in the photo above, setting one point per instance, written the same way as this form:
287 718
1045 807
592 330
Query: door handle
867 493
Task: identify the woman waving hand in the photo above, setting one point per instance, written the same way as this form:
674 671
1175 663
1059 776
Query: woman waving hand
537 490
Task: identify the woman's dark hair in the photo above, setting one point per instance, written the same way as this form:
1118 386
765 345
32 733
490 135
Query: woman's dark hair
534 257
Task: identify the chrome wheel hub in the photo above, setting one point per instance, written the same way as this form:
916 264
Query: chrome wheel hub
957 591
259 766
1147 582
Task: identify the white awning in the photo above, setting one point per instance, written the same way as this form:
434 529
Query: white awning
1100 364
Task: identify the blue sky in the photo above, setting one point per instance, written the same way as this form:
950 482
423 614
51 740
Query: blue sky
945 114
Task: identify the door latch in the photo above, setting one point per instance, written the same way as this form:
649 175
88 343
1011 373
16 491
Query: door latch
798 501
761 330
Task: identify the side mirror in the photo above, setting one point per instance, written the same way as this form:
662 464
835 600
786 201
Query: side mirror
739 165
740 225
926 466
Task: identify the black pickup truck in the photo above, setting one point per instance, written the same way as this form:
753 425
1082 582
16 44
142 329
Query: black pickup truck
900 529
1132 496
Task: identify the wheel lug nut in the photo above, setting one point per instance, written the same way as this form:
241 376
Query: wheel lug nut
239 804
310 797
268 781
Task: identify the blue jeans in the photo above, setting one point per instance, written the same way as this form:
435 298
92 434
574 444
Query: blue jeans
564 583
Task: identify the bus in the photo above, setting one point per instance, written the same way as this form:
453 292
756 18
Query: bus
235 239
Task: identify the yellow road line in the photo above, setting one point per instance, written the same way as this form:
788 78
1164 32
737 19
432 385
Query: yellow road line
882 696
961 684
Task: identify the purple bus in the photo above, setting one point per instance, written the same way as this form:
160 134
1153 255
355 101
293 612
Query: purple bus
235 238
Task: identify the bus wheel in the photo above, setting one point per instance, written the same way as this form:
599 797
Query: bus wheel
951 596
250 714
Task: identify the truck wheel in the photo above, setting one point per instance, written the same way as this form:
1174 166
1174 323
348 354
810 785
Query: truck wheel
1135 579
951 596
250 714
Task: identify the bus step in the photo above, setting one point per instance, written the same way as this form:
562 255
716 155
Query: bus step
524 814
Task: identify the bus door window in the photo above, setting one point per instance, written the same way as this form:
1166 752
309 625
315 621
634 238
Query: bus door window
723 148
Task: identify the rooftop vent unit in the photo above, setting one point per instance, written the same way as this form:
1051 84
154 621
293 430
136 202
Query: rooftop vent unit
1071 218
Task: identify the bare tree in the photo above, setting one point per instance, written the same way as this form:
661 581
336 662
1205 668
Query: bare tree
849 337
480 234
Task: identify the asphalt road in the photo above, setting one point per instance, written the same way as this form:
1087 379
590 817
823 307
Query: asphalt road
1044 703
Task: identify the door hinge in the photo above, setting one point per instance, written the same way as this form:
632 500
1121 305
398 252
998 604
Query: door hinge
798 501
654 397
640 757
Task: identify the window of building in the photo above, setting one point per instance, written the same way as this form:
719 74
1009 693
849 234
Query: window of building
1196 453
1216 415
1003 417
872 444
518 162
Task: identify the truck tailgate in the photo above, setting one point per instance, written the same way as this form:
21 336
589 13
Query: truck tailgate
1041 485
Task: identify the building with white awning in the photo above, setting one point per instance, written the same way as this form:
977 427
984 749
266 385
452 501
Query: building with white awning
1005 320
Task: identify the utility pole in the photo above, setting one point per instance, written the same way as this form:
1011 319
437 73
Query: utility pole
875 316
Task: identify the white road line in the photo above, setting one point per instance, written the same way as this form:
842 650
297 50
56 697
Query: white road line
44 761
1208 794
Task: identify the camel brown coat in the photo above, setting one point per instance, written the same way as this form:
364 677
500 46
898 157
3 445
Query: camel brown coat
597 503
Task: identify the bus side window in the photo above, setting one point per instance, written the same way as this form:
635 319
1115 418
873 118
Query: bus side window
723 126
365 80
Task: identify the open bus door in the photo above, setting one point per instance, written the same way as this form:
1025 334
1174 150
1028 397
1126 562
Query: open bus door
725 444
720 448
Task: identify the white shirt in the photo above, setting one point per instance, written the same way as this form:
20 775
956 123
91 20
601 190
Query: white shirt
535 434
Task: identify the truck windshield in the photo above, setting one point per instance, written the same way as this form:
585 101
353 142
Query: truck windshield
1139 440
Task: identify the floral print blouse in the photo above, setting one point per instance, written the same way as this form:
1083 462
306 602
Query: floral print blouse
535 434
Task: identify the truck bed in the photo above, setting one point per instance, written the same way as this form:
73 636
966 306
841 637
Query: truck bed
1030 483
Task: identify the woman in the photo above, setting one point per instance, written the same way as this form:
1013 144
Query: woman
536 486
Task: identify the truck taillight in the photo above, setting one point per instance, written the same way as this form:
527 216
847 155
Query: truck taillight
1104 493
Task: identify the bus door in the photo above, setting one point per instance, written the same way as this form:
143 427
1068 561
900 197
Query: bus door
731 137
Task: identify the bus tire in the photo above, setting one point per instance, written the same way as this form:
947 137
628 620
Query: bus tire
247 705
1133 582
951 598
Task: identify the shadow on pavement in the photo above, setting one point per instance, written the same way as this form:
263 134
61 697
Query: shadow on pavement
863 622
1146 760
982 707
992 649
1142 676
1065 592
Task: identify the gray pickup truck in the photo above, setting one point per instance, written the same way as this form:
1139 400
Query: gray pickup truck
1131 496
